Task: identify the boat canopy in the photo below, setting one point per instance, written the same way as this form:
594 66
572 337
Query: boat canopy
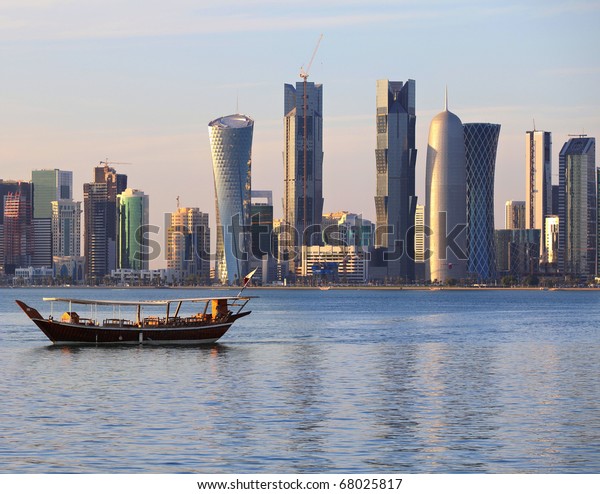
139 302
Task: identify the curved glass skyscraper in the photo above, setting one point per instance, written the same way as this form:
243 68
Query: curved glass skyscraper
446 195
231 149
481 143
133 221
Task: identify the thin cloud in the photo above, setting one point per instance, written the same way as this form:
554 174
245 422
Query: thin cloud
61 20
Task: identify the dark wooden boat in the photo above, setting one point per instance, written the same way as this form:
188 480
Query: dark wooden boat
168 327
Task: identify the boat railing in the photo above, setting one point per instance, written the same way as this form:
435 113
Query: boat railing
86 321
119 323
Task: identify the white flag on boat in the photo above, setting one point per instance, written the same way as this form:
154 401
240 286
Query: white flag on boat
247 280
249 276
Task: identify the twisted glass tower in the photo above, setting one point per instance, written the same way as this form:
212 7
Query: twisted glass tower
231 149
481 143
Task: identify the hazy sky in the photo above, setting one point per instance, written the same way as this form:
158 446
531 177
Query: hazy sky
139 80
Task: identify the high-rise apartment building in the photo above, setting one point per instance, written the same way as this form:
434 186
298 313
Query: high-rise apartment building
577 207
231 148
95 230
481 144
446 198
23 191
132 238
538 180
17 232
100 221
395 159
303 168
514 215
66 228
188 245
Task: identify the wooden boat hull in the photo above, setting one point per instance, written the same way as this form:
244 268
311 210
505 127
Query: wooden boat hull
61 333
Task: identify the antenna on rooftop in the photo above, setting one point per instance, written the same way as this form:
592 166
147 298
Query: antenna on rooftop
446 98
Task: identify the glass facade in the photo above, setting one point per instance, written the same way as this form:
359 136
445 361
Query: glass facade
303 189
48 186
395 160
517 252
577 207
133 221
231 149
100 221
481 143
514 215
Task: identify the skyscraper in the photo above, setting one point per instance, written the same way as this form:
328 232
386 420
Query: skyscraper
100 216
24 191
577 207
446 191
231 148
133 221
66 228
17 232
303 168
263 246
481 143
48 186
188 244
395 158
514 215
538 200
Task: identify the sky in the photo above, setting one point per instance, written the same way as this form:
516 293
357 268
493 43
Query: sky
138 81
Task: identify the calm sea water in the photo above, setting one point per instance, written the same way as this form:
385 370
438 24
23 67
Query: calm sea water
343 381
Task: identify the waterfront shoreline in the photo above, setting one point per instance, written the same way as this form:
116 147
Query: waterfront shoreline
332 287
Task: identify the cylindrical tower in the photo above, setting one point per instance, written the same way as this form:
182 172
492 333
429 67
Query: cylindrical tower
133 221
231 148
446 196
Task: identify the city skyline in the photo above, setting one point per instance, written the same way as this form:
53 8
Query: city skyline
144 95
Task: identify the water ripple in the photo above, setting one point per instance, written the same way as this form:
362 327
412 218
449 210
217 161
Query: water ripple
341 382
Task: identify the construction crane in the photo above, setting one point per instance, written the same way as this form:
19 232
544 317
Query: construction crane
304 75
107 163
